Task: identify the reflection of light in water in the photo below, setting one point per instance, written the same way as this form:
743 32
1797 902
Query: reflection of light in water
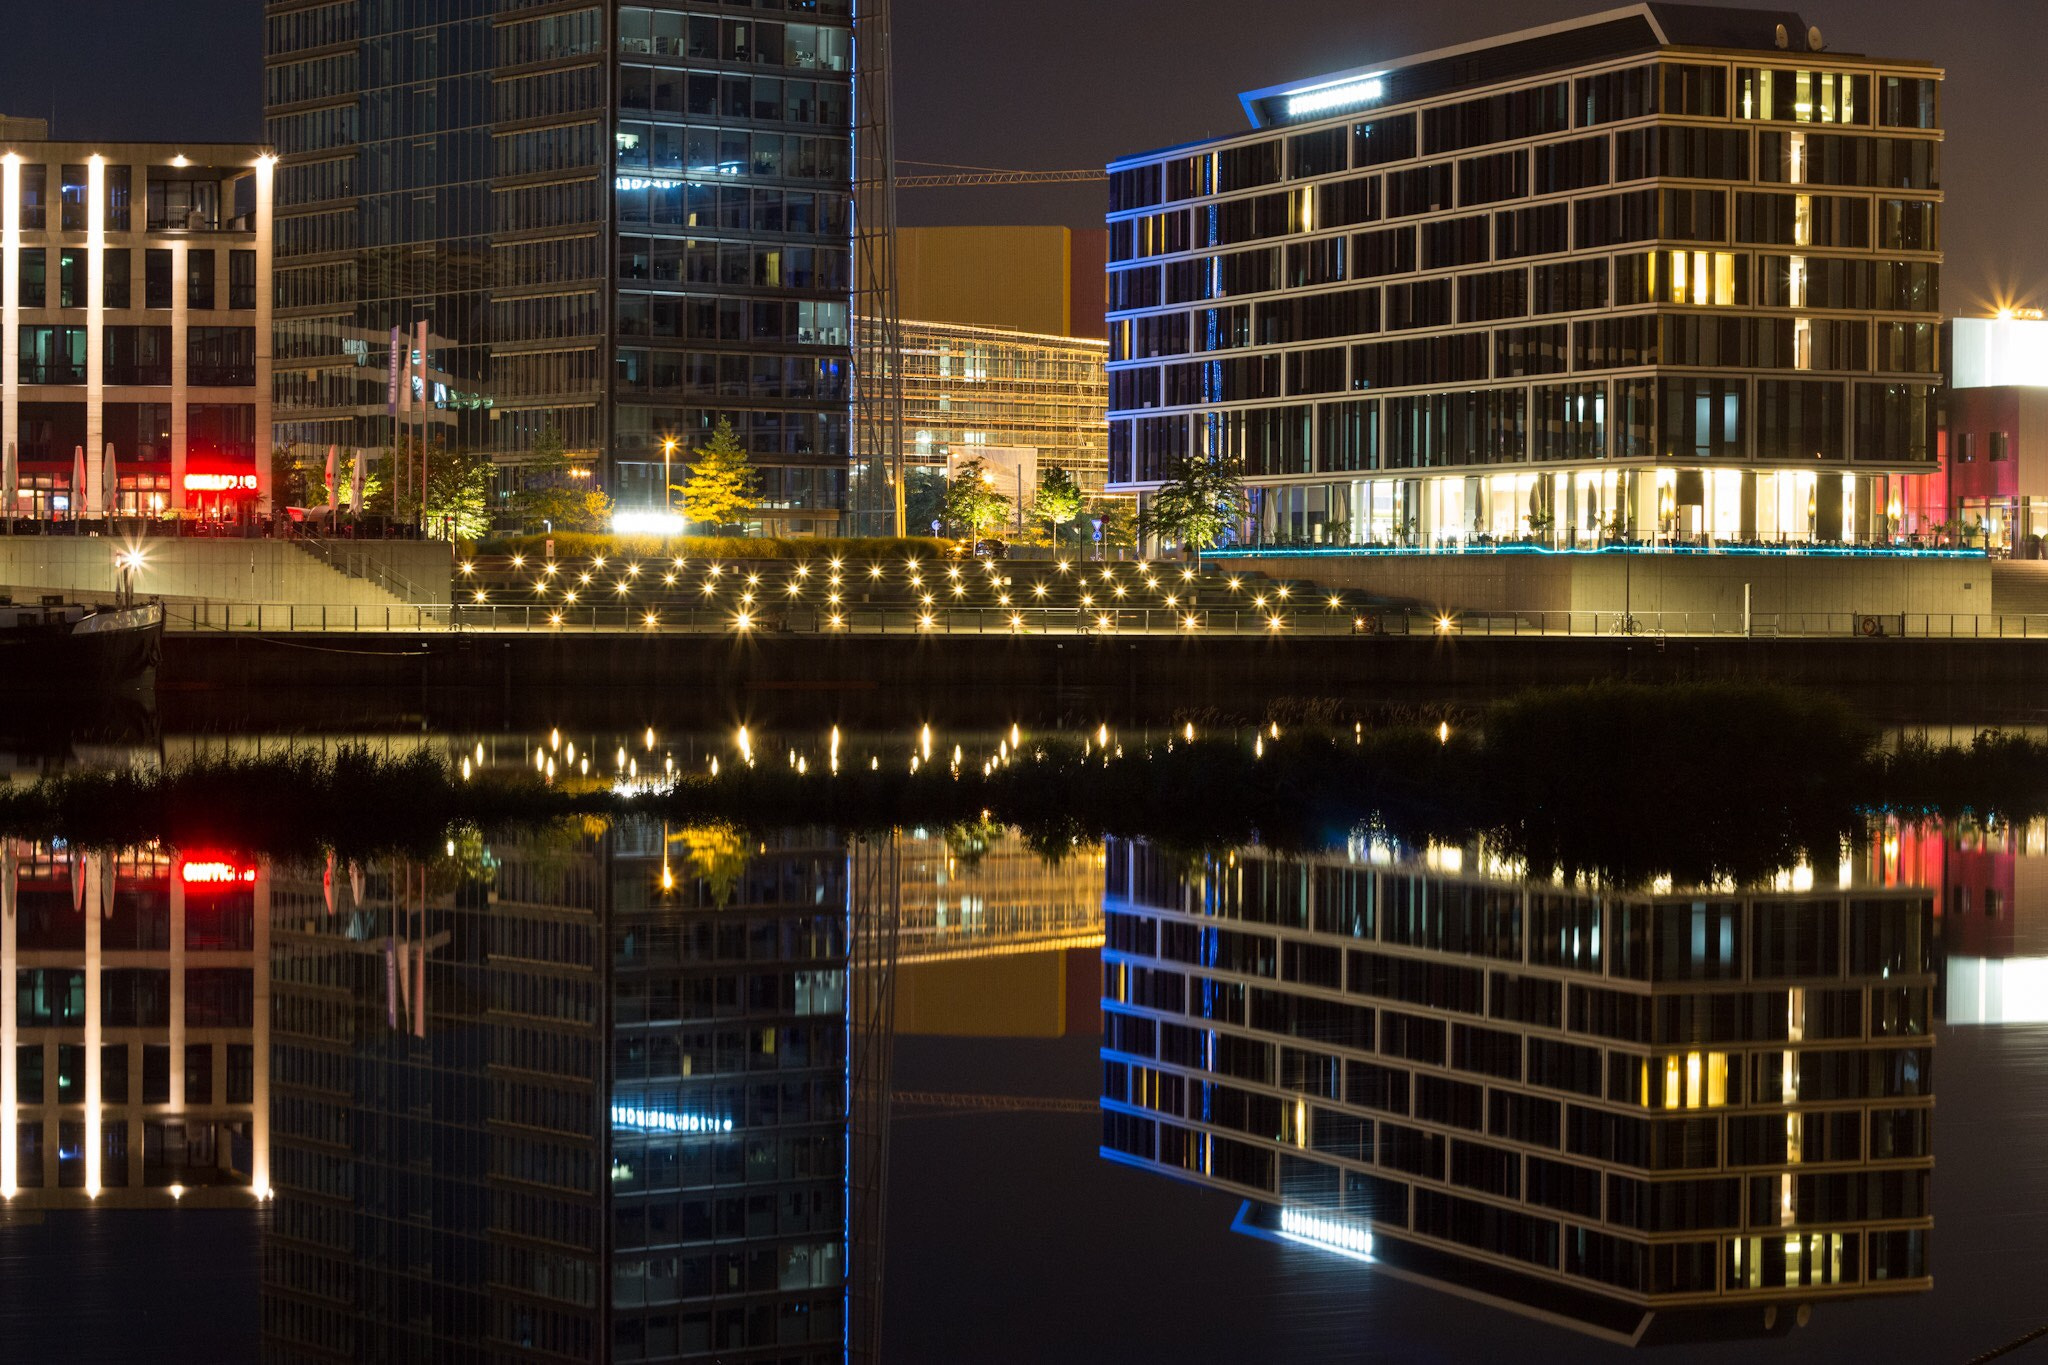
2010 990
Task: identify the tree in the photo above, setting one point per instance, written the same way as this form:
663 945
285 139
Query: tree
1201 501
1119 518
722 487
1058 501
458 493
554 489
972 500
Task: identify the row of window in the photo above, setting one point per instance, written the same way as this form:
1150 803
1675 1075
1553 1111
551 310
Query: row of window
665 33
202 278
1465 358
1459 243
138 431
1672 89
123 1083
1672 418
697 374
216 357
705 94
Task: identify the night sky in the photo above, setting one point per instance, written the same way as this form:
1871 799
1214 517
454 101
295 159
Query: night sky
1060 83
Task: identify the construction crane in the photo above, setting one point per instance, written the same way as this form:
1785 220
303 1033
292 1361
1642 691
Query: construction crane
937 175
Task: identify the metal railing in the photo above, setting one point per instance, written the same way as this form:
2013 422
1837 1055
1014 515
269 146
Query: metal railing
1222 619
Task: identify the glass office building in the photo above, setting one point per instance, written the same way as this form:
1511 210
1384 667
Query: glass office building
568 1096
967 389
1647 1114
620 222
1666 273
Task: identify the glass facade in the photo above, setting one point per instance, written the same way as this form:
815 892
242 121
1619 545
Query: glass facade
624 222
588 1102
1661 295
968 387
1564 1099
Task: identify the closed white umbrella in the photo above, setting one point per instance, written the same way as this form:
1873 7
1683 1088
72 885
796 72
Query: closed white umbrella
77 482
110 483
10 482
355 487
333 489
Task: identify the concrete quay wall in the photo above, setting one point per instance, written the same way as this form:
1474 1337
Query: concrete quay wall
1648 583
224 570
486 680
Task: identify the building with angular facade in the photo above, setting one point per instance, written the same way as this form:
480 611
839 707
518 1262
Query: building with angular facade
1662 273
1644 1114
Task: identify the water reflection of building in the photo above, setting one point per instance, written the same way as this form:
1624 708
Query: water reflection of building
1989 879
1632 1113
586 1101
997 940
133 1068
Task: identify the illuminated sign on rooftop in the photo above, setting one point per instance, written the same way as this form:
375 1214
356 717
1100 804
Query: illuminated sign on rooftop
1324 99
2001 352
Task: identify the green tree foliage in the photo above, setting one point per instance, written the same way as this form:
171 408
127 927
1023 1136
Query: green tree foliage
1058 502
722 487
972 502
459 493
1203 499
550 491
1119 518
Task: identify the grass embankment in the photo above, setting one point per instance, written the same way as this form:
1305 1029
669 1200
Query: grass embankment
586 545
1697 781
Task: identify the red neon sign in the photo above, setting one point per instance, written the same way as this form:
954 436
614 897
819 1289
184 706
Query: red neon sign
214 874
220 483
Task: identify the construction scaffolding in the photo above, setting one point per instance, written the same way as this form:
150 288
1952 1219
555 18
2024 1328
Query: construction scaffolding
967 387
875 915
875 491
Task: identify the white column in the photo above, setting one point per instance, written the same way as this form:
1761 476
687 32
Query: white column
266 173
259 1038
95 357
177 1035
95 1144
10 1080
180 372
10 325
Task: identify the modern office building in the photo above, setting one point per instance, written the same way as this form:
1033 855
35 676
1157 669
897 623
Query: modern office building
1662 272
134 1030
135 314
1644 1114
1993 487
575 1097
990 393
626 221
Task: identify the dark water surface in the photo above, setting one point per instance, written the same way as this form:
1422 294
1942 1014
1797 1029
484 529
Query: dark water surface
584 1094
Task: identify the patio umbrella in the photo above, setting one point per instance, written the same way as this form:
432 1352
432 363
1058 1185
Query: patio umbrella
355 487
10 481
110 483
333 490
77 482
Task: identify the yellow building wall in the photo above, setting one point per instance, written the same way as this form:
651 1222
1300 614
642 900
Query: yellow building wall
987 277
1021 995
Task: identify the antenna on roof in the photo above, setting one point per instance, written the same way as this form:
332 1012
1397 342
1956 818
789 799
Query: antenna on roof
1784 38
1813 42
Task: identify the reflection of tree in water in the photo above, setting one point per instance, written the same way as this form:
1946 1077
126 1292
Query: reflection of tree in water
717 854
969 841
